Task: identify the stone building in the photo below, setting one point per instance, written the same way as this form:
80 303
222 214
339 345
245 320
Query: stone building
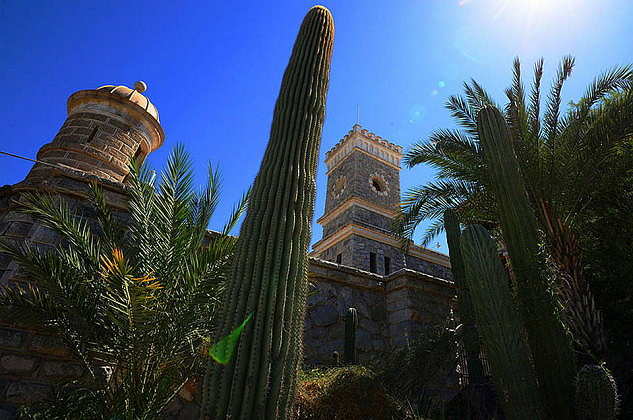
356 264
359 263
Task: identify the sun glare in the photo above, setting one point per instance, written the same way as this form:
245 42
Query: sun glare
536 9
525 26
539 4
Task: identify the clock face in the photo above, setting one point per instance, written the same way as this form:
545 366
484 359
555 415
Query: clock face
378 184
339 186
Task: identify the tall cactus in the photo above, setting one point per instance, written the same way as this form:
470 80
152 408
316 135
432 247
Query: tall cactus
269 273
351 323
470 337
551 348
596 394
500 326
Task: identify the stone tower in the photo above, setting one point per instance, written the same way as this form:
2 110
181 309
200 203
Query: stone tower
363 197
104 129
363 194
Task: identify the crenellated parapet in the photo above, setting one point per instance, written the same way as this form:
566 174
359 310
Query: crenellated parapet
367 142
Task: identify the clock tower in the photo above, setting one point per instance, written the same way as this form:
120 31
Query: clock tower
363 195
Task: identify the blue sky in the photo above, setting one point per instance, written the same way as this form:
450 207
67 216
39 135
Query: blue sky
213 68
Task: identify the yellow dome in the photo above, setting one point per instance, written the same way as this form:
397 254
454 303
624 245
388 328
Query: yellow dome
134 95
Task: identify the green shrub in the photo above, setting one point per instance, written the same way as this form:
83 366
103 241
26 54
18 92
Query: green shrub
345 393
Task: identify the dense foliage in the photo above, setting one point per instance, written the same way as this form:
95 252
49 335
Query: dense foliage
576 168
133 295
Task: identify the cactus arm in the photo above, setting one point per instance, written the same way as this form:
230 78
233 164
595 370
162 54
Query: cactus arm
269 273
470 336
500 326
551 348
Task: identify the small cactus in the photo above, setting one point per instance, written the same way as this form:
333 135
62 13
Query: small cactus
596 394
351 323
336 356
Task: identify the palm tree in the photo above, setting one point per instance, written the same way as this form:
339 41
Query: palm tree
133 296
566 162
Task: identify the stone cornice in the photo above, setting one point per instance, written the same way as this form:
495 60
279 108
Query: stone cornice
355 201
359 139
376 235
408 273
321 270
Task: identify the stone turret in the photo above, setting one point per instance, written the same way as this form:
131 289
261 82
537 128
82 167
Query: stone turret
105 128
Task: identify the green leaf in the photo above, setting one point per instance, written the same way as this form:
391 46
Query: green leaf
222 351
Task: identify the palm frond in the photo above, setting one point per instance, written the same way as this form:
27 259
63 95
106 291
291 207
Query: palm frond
432 231
463 113
534 110
55 214
477 96
613 80
236 213
552 113
140 303
142 200
111 228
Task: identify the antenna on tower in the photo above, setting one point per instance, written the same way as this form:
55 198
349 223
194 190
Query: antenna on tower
357 114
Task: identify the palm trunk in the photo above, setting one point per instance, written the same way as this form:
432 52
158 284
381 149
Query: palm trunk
580 312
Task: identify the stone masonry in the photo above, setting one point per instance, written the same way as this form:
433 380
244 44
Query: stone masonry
390 309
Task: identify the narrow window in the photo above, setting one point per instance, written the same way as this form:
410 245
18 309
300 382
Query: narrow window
387 265
372 262
339 258
138 156
93 134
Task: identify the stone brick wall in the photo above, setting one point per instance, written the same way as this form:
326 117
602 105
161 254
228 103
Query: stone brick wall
98 142
339 288
391 309
30 362
415 300
366 166
436 270
362 247
344 248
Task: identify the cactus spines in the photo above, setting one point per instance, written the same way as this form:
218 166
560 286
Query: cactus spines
499 325
351 323
551 348
269 273
470 337
596 394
